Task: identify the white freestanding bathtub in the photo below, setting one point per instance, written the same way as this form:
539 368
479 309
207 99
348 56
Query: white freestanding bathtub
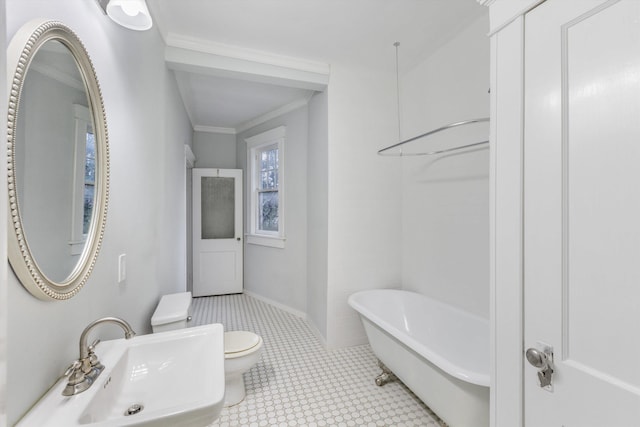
440 352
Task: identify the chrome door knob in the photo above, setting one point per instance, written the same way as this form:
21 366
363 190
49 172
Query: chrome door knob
537 358
543 361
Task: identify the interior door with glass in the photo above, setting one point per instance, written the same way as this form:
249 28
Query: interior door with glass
217 231
582 214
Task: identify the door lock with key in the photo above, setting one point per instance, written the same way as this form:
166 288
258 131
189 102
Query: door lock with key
543 360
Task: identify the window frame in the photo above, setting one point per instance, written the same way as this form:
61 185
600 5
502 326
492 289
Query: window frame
82 122
255 145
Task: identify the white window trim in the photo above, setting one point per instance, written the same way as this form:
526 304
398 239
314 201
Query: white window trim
254 143
82 118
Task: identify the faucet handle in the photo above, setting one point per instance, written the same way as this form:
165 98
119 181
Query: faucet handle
78 381
72 368
93 358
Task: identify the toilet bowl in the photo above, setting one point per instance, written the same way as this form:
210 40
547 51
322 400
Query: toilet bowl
241 352
241 348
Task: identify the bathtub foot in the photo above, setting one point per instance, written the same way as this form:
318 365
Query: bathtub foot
385 377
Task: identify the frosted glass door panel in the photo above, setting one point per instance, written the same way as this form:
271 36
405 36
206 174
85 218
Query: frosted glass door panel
218 207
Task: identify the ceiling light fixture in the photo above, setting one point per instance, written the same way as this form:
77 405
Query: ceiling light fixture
131 14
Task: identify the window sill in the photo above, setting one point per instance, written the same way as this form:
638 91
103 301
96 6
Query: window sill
270 241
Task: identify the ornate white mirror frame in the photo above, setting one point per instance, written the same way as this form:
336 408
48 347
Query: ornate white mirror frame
20 53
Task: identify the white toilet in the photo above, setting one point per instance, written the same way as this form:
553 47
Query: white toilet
241 352
241 348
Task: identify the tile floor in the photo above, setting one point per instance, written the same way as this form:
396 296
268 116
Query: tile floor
300 383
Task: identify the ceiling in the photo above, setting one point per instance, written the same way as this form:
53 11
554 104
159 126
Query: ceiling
307 35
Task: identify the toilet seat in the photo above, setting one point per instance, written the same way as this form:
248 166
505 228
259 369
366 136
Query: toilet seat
240 343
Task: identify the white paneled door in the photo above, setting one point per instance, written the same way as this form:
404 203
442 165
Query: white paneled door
582 213
217 231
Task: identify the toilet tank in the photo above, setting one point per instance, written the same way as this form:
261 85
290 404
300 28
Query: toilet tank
173 312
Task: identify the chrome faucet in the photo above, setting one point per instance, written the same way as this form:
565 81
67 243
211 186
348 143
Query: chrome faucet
84 371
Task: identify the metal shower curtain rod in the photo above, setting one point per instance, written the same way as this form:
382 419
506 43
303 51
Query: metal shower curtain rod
383 152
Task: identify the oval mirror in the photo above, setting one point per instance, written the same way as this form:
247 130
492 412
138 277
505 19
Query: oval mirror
58 172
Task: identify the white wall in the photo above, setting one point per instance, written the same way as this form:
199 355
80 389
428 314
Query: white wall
317 225
445 206
147 131
417 224
214 150
364 198
280 275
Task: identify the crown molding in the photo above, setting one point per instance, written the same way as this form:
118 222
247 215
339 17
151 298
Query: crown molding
210 58
245 54
215 129
274 113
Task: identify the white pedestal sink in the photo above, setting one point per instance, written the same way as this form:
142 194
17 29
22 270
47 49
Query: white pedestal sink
171 378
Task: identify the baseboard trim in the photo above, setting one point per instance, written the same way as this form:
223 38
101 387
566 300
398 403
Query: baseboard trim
281 306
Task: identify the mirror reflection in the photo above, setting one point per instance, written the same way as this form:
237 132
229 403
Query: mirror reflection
55 161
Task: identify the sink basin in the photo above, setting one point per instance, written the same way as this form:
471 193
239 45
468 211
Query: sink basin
173 378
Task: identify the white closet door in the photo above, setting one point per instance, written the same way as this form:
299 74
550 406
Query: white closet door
217 231
582 211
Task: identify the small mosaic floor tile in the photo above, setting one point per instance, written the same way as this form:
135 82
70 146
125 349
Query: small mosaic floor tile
298 382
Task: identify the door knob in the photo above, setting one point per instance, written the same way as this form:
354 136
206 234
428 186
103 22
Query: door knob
543 361
537 358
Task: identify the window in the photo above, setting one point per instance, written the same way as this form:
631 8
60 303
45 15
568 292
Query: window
84 179
265 161
89 180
